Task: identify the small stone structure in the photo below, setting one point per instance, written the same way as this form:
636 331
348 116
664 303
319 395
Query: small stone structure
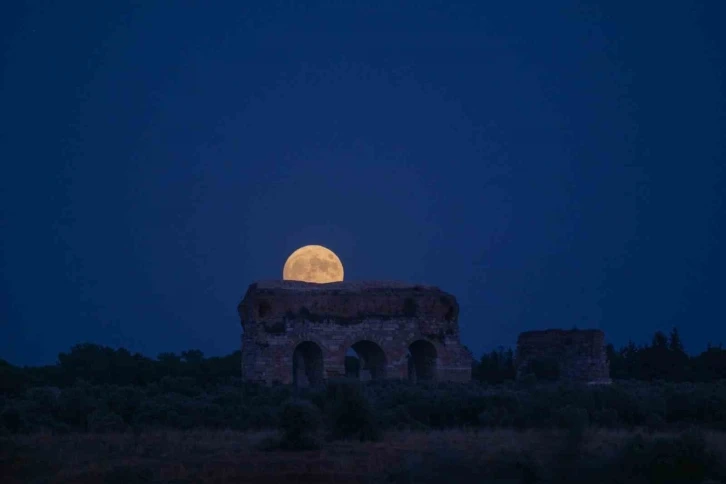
579 355
299 332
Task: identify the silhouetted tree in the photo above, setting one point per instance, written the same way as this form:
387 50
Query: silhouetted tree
101 364
660 340
11 378
617 363
192 357
674 343
709 365
495 367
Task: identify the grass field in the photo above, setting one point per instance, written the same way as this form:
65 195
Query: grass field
453 456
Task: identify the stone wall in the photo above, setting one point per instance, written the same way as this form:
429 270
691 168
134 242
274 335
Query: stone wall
579 354
298 332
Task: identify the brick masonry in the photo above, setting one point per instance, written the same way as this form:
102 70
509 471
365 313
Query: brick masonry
388 317
580 354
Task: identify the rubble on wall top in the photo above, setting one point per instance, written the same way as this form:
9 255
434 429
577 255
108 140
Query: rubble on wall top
344 286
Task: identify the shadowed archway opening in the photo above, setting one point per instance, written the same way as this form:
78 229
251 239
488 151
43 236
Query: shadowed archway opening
307 365
365 360
422 361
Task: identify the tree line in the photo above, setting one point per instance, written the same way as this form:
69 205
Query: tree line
663 359
98 365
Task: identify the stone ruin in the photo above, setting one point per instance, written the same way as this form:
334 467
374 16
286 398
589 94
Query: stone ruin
577 355
298 332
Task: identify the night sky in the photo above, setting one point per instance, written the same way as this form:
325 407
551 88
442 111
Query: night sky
551 164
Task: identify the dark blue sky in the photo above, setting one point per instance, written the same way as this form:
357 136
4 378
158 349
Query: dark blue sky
551 164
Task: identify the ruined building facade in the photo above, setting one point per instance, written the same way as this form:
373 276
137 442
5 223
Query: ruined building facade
298 332
575 355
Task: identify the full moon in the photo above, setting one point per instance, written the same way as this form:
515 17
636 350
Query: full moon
313 263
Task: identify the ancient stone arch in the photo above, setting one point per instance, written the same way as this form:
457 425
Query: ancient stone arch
382 320
298 338
373 361
356 336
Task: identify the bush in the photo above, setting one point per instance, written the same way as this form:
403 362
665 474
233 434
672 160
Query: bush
654 422
316 395
12 379
43 396
12 420
124 401
105 421
75 404
573 418
606 417
186 386
350 411
153 412
527 380
494 417
683 459
60 428
300 423
263 417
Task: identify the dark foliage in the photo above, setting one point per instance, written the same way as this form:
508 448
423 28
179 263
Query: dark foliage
665 359
355 410
683 459
301 425
349 411
94 387
102 420
495 367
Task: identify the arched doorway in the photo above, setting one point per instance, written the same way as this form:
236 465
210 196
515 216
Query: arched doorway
307 365
422 360
365 360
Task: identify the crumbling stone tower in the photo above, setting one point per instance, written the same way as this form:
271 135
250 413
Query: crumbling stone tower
299 332
577 355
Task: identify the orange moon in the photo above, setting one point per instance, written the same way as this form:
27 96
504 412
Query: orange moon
313 263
